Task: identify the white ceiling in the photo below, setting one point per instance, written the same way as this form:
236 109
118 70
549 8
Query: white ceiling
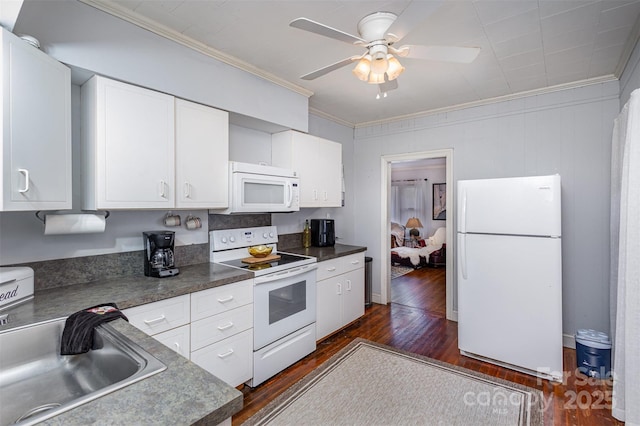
526 45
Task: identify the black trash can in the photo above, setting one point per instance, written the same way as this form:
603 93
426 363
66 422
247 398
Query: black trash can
367 280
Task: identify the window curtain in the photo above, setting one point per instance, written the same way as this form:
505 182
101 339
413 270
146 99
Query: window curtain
410 199
625 268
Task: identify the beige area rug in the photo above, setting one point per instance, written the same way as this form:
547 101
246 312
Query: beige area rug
371 384
398 271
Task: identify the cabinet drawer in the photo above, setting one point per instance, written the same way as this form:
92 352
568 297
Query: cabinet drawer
340 265
176 339
156 317
351 262
328 268
230 359
217 327
220 299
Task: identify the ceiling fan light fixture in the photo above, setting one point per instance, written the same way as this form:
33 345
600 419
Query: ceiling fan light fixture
362 69
375 78
394 69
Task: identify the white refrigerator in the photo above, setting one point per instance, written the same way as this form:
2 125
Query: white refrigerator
509 273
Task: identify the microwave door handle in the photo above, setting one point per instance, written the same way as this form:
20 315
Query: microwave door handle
290 189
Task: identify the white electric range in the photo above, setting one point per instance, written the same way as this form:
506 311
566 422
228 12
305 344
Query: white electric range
284 303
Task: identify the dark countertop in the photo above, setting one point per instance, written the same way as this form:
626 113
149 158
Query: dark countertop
182 394
326 253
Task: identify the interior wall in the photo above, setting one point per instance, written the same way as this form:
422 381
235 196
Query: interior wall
566 132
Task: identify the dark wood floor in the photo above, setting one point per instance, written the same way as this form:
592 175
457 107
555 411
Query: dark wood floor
423 288
577 401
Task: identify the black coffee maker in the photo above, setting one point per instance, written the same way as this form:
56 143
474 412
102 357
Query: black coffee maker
158 254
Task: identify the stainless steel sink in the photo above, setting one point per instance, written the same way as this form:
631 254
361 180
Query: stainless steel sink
37 383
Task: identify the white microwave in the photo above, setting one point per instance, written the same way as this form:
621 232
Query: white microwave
257 188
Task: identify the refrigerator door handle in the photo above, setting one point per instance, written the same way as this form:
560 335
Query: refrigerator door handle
463 255
463 212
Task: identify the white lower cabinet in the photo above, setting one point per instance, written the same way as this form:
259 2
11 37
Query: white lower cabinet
340 293
177 339
213 328
222 331
163 315
230 359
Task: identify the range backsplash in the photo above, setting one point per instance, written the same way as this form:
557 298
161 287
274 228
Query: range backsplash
78 270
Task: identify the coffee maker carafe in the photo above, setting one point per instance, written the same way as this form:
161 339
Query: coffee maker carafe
158 254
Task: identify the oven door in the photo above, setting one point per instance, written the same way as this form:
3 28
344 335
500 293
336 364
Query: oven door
283 303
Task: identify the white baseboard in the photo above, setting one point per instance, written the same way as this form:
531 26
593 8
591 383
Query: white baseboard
569 341
376 298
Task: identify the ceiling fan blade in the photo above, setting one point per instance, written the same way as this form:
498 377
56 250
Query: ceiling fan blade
416 12
326 70
324 30
462 55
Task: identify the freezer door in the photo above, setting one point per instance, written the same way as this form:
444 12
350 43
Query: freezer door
515 206
510 300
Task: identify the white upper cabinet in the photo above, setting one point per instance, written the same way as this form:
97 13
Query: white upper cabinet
128 142
35 112
318 163
202 156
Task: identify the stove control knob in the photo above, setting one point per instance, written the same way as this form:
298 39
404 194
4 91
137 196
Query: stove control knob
232 239
224 240
264 235
271 234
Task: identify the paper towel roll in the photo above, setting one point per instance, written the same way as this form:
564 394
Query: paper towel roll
74 224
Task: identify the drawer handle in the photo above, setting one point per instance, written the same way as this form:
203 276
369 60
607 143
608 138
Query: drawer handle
226 299
226 326
155 320
178 348
226 354
332 268
355 262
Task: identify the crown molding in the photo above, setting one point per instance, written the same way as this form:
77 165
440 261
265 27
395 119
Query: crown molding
519 95
330 117
134 18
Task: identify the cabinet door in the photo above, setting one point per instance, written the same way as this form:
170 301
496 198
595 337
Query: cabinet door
156 317
318 163
176 339
132 145
330 173
352 295
36 125
202 156
230 359
328 306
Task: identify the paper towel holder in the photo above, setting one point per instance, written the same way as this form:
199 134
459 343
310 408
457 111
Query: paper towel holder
106 215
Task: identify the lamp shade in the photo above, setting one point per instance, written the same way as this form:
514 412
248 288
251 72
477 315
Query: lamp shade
395 68
414 222
362 69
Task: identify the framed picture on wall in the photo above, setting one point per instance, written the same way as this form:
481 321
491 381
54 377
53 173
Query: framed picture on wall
439 201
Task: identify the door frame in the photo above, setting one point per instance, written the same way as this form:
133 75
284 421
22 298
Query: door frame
385 225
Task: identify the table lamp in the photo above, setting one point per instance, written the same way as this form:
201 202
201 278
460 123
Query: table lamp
414 223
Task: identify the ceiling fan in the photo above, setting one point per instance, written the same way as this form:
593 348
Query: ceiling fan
379 32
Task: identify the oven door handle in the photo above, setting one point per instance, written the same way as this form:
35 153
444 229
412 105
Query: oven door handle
285 274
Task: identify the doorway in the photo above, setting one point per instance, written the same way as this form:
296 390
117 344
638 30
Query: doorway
387 163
